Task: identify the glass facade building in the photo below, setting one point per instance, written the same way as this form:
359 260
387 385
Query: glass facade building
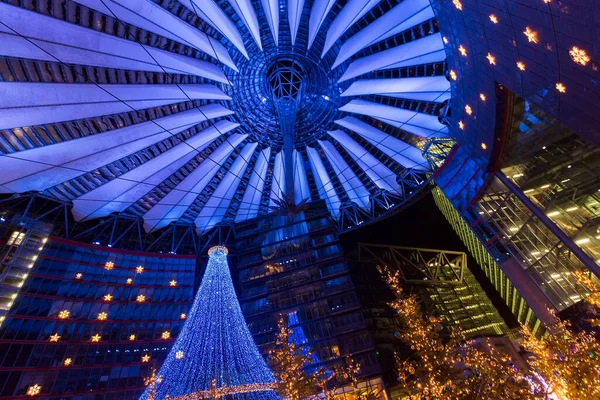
89 322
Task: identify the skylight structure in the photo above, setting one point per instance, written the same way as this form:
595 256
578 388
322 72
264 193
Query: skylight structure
210 111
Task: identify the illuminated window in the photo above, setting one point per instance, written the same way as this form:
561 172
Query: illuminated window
16 238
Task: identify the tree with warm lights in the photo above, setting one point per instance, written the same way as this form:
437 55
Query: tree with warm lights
568 361
448 366
288 362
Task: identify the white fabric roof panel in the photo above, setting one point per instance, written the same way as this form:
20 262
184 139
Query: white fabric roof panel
352 12
150 16
301 190
318 13
43 167
249 206
271 9
356 191
215 208
424 125
120 193
381 175
171 207
277 180
430 88
323 182
210 12
403 153
32 103
404 16
421 51
295 8
50 39
246 11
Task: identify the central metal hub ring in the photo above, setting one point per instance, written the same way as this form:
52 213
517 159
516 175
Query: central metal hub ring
286 78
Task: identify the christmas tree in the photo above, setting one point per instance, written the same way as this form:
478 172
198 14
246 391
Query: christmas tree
214 356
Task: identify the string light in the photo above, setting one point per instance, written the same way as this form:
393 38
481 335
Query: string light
55 337
232 362
531 35
139 269
579 55
96 338
107 297
64 314
34 390
109 265
102 316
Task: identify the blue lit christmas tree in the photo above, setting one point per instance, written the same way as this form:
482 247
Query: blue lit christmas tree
214 356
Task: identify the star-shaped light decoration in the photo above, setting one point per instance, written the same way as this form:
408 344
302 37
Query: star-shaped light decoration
34 390
179 355
96 338
166 335
145 358
461 125
67 362
493 18
579 55
520 65
531 35
141 298
128 281
102 316
491 59
457 4
183 316
462 50
55 337
482 97
78 275
109 265
107 297
453 75
64 314
139 269
131 337
468 109
484 146
561 88
173 283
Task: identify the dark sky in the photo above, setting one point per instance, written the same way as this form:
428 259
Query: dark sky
423 225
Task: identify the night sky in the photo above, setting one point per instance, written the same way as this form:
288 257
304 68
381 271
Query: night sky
423 225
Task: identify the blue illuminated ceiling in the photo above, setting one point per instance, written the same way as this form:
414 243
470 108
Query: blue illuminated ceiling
165 110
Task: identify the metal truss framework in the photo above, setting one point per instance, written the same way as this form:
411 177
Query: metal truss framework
442 280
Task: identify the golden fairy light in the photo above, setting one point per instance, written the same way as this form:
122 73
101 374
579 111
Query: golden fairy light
141 298
96 338
183 316
145 358
78 275
491 59
173 283
457 4
462 50
109 265
520 65
34 390
165 335
128 281
461 125
131 337
579 55
67 362
468 109
139 269
179 354
561 88
493 18
102 316
64 314
107 297
453 75
482 97
55 337
484 146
